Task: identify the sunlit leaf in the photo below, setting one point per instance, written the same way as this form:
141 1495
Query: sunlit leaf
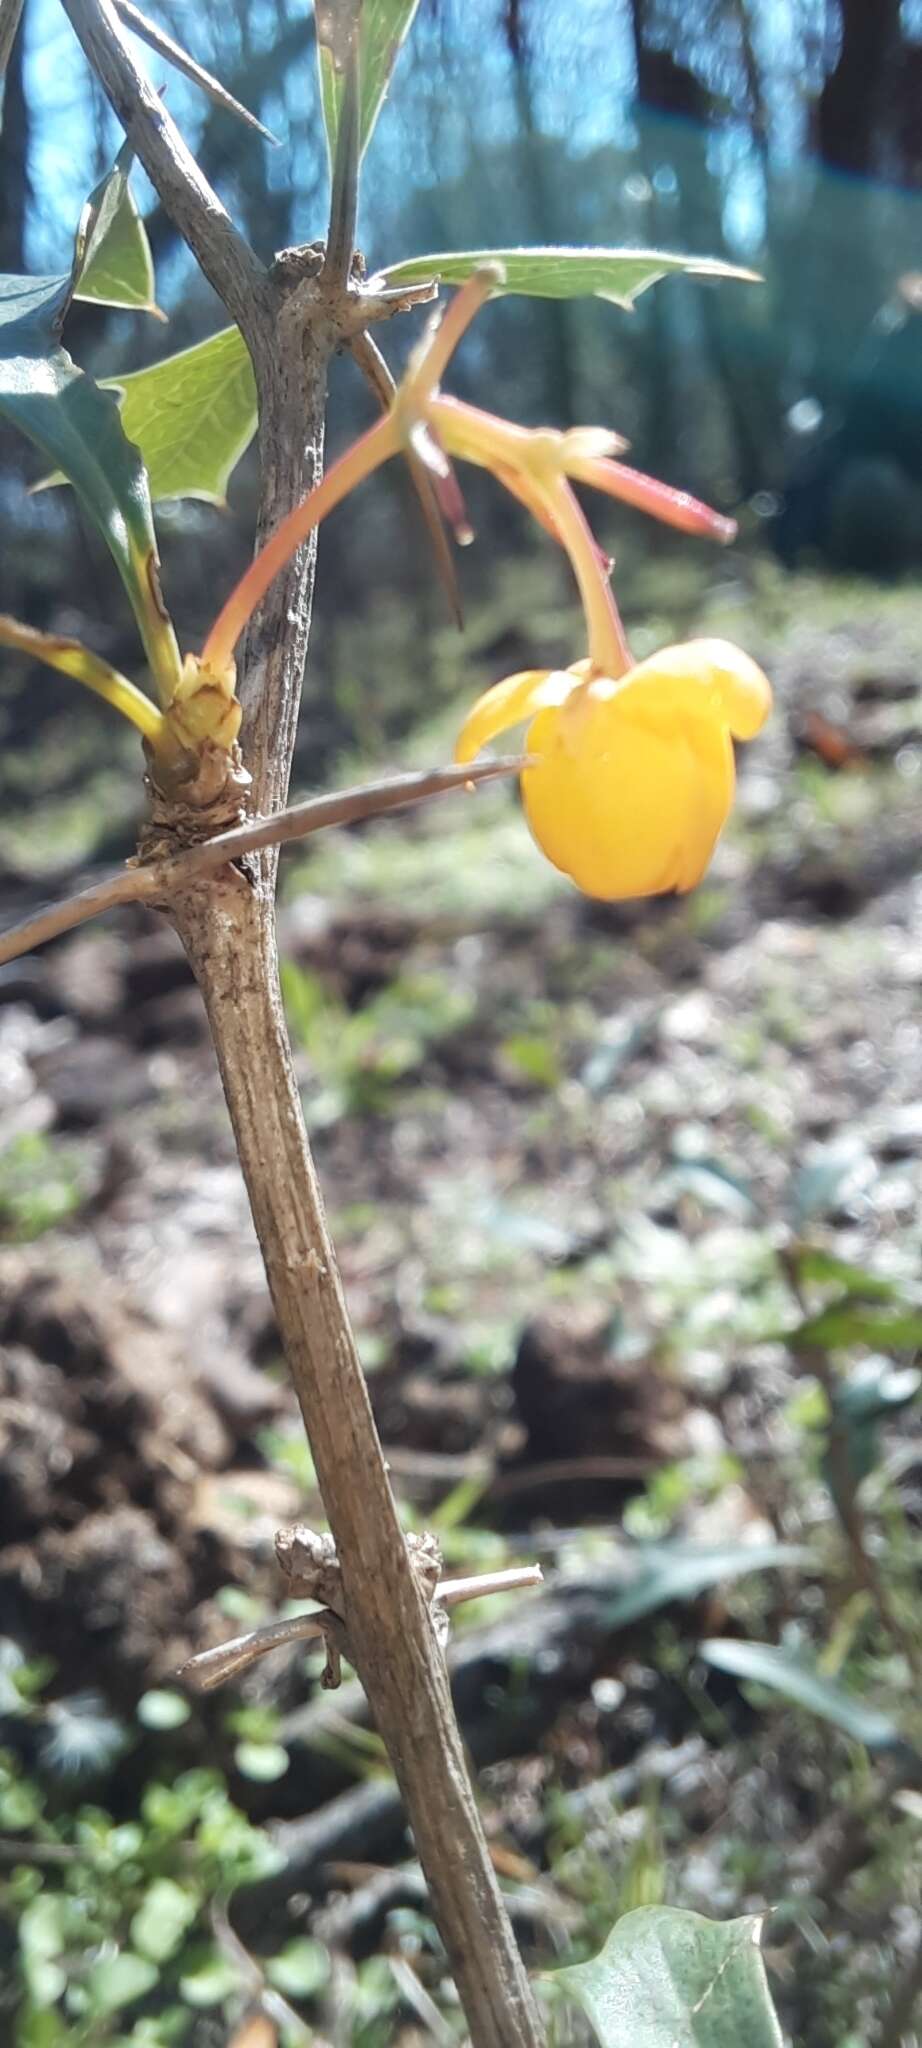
381 27
781 1670
616 274
192 416
113 264
672 1979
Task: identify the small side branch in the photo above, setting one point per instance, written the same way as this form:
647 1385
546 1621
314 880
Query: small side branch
157 881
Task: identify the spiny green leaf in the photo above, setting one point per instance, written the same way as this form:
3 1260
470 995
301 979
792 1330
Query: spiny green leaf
781 1670
77 426
671 1979
113 265
381 27
616 274
192 416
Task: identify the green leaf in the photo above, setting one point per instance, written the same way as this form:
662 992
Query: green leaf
118 1980
112 260
781 1670
192 416
671 1979
619 275
211 1982
162 1709
848 1322
678 1571
261 1761
812 1263
165 1914
300 1969
77 426
381 26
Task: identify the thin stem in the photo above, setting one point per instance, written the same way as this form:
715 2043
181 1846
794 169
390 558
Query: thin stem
129 885
367 454
375 370
438 345
608 648
157 881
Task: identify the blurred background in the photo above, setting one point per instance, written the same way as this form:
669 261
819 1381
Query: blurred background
627 1196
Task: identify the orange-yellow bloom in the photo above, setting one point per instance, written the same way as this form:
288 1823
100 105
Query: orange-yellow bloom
630 781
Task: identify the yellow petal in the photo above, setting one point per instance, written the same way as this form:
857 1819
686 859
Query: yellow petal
703 674
508 703
627 806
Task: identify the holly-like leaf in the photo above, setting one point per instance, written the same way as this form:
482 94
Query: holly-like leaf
616 274
381 26
78 427
113 265
192 416
781 1670
672 1979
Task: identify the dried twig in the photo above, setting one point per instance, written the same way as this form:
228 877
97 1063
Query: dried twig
211 1668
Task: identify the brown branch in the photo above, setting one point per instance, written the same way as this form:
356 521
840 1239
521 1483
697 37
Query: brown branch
157 881
10 11
224 255
128 885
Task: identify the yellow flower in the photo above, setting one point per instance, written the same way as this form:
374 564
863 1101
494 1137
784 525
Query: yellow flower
630 781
